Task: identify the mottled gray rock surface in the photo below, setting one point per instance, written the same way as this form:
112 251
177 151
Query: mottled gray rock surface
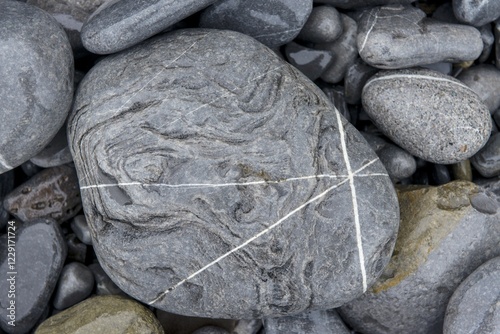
476 12
271 22
36 89
443 237
473 308
324 25
219 174
349 4
75 284
311 322
484 80
355 79
399 36
40 252
487 160
104 284
52 193
430 115
56 153
309 61
119 24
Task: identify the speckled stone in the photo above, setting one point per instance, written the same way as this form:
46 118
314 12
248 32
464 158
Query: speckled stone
487 160
103 314
56 153
350 4
52 193
441 240
430 115
484 80
271 22
204 180
476 12
6 186
473 308
309 61
75 284
40 254
119 24
312 322
324 25
36 89
344 50
397 36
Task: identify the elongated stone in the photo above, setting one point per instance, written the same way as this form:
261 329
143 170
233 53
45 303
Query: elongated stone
212 172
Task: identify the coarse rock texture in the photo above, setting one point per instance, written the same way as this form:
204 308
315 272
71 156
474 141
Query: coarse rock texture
311 322
474 306
39 257
51 193
484 80
226 181
445 233
431 115
397 36
36 89
103 314
271 22
476 12
119 24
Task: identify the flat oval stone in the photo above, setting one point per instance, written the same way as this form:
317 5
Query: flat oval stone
218 173
473 308
430 115
312 322
75 284
442 239
103 314
51 193
476 12
271 22
40 252
397 36
119 24
36 89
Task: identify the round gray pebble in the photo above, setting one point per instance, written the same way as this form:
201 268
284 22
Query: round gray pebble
487 160
324 25
484 80
430 115
75 284
81 229
476 12
474 306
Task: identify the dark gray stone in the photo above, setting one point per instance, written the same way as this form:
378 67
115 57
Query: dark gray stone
442 67
324 25
271 22
37 81
430 115
312 322
344 50
309 61
485 202
440 174
56 153
399 36
496 31
445 13
77 251
211 330
496 117
462 170
52 193
473 308
81 229
6 186
221 180
119 24
350 4
441 240
104 284
39 257
484 80
71 14
179 324
30 169
75 284
355 79
487 160
488 41
476 12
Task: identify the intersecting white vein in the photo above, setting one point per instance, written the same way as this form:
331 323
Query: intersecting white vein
229 184
416 76
354 201
269 228
369 31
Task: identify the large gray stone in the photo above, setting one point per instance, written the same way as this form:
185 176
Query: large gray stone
324 25
484 80
272 22
431 115
445 234
311 322
474 306
397 36
36 89
215 180
119 24
476 12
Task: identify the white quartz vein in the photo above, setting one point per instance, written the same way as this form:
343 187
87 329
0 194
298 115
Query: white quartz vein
369 30
416 76
268 229
354 201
